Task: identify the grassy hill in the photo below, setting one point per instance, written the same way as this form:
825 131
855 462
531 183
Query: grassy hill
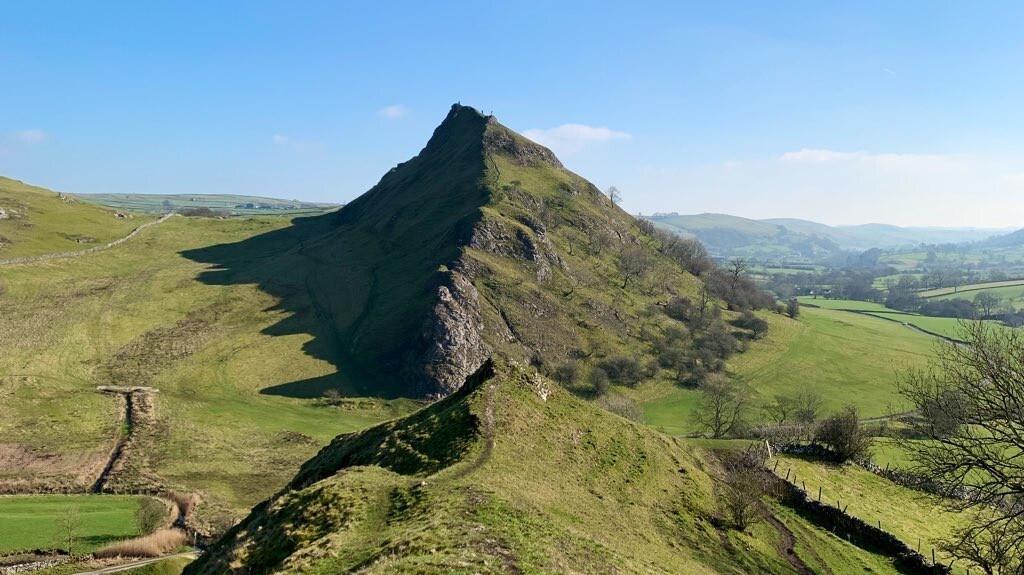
728 236
35 221
513 475
483 242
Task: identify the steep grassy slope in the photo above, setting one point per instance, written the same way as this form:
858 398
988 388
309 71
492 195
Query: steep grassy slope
482 242
510 475
905 513
36 221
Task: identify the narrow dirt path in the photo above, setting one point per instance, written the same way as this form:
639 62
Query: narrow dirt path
62 255
786 545
134 564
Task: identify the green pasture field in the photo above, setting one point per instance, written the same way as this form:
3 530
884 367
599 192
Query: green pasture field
943 326
842 304
953 291
30 522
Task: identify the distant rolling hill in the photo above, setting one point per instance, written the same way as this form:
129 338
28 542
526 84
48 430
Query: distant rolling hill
227 203
789 239
1013 239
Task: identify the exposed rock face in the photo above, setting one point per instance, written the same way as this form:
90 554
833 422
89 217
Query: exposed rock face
454 331
519 150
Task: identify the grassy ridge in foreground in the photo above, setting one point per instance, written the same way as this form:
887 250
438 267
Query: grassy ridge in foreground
537 482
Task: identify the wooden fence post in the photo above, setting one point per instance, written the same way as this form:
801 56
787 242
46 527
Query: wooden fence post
819 494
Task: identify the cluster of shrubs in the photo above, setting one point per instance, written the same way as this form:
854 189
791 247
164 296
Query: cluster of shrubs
696 347
958 308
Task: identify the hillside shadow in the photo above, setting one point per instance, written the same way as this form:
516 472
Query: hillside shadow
280 264
363 281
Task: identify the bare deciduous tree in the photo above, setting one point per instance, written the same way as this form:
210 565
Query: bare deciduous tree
599 239
781 409
737 267
808 408
722 407
744 486
615 195
976 391
634 263
68 523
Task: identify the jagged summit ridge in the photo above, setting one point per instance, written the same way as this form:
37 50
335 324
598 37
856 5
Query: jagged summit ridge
481 243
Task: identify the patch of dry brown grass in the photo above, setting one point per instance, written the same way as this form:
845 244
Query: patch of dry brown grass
153 545
186 502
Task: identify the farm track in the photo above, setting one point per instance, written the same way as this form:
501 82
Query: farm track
79 253
134 564
895 312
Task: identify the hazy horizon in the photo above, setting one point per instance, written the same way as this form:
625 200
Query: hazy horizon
905 114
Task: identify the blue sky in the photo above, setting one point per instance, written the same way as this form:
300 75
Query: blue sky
899 112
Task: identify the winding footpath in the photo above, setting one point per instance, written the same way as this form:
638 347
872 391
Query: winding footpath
134 564
62 255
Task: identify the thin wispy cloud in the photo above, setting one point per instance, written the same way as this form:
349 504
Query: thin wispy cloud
292 143
393 112
29 136
571 138
889 71
818 155
891 161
